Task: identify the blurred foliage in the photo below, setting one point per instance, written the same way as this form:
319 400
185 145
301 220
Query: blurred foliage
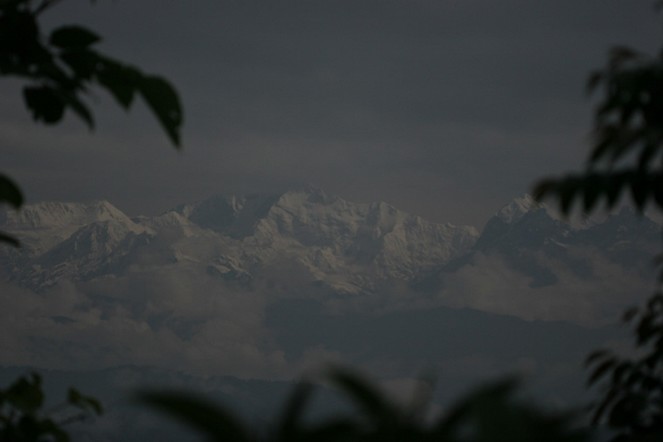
626 158
489 413
632 402
23 420
61 68
627 138
9 194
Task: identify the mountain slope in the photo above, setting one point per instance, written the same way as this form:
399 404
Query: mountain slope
528 263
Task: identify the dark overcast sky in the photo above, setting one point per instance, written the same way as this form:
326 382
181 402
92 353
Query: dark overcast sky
447 109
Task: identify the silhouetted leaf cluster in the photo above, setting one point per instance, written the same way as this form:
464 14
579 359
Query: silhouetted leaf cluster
626 156
627 138
61 68
490 413
23 420
9 194
632 402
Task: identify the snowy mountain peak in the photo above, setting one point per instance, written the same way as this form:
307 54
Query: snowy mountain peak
517 208
232 215
41 226
307 196
55 214
304 242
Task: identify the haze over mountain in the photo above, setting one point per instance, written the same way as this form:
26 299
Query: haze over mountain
308 244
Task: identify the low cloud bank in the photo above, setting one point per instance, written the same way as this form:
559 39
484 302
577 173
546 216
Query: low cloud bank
490 284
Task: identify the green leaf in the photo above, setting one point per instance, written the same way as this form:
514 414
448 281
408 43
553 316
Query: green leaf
44 103
593 186
620 370
566 192
645 329
601 408
25 394
621 54
79 108
119 79
367 397
199 413
49 428
4 237
334 430
19 33
67 37
10 192
601 370
83 63
626 410
161 97
484 406
639 187
614 184
594 80
543 189
86 403
595 356
629 314
657 189
290 422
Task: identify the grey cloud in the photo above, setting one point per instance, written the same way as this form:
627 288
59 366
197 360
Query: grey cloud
185 326
490 284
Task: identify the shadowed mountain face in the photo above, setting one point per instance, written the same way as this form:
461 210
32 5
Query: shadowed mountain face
524 227
348 255
525 251
231 216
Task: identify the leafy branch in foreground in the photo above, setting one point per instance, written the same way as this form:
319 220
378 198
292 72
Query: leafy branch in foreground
9 194
22 418
632 402
490 413
61 68
626 155
627 138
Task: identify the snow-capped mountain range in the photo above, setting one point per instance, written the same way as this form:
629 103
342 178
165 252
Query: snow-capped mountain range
337 242
306 241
